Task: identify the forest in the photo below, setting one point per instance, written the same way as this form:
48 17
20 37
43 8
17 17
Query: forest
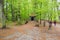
29 19
20 11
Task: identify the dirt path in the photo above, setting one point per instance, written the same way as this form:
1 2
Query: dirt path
30 32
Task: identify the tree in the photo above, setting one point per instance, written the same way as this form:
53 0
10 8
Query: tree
3 16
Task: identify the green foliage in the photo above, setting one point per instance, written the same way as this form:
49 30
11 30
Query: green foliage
20 10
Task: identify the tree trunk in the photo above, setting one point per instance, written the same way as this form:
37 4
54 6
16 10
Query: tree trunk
3 16
54 23
44 24
50 25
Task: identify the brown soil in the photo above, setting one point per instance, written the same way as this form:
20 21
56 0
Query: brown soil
22 29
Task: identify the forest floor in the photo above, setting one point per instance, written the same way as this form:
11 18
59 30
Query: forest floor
30 32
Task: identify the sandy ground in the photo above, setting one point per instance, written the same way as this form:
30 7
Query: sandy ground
30 32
